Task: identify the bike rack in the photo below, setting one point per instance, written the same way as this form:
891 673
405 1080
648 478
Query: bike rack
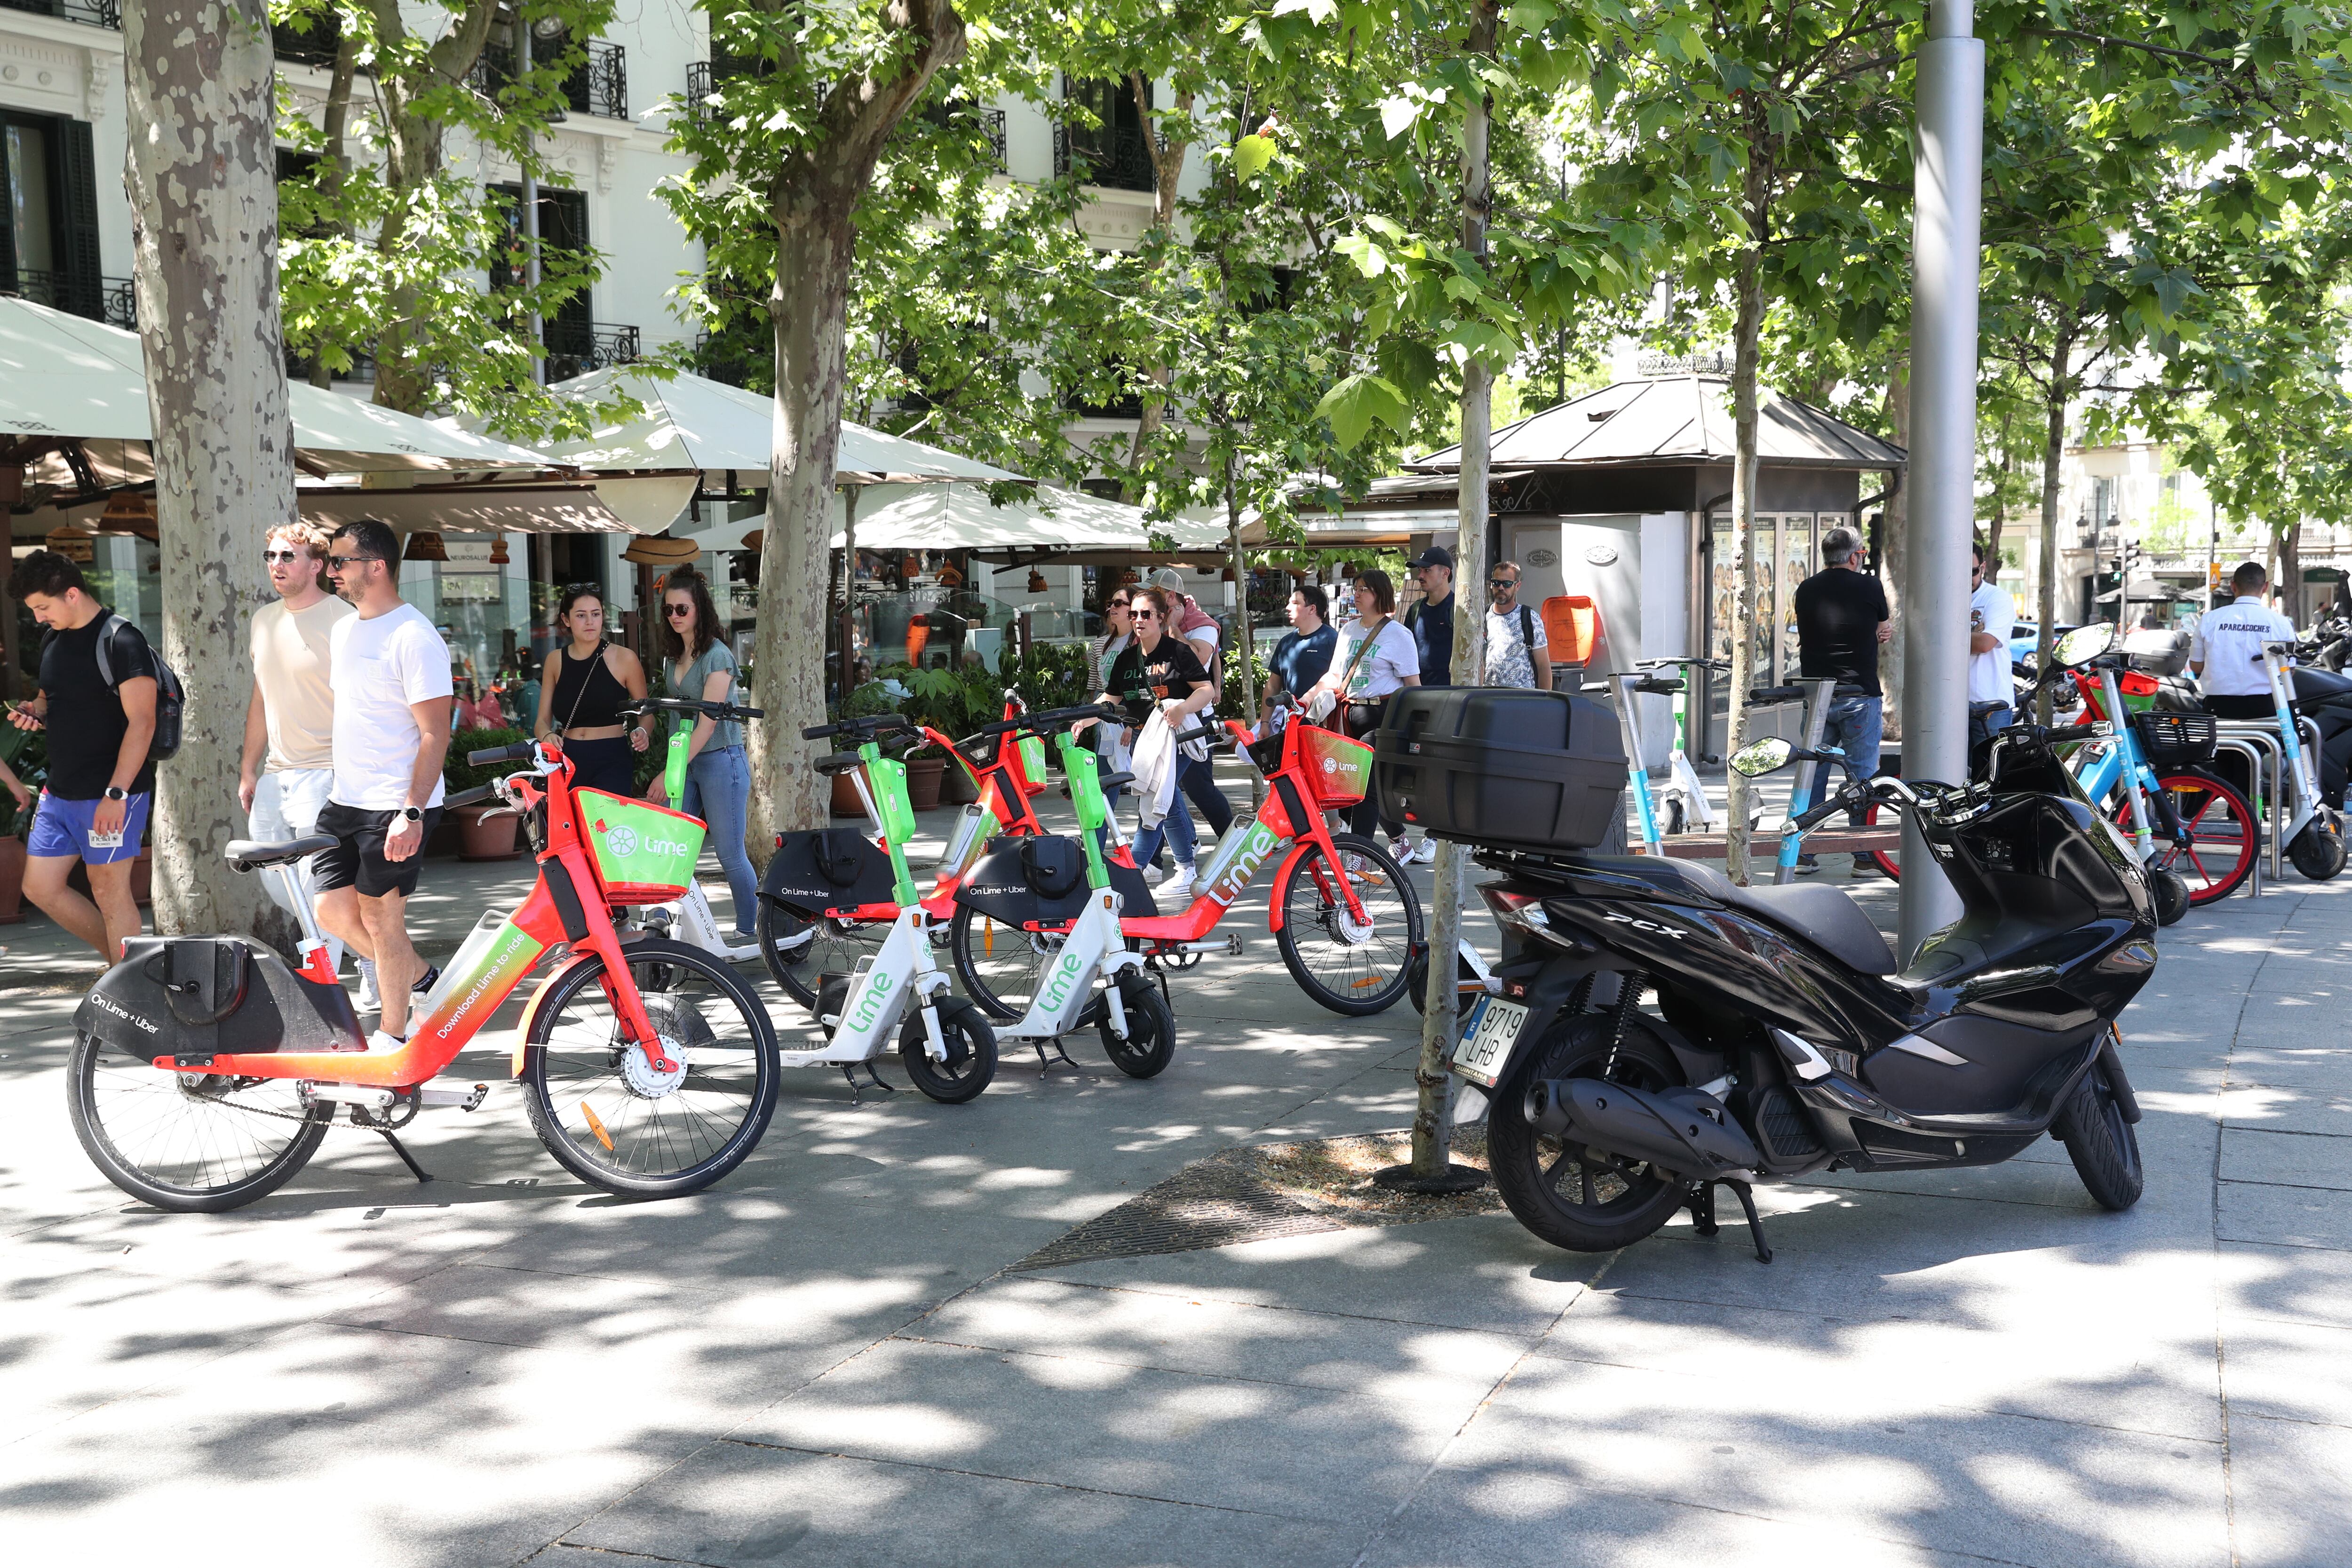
2252 736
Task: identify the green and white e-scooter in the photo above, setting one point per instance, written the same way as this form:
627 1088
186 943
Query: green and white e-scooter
1094 978
944 1041
689 920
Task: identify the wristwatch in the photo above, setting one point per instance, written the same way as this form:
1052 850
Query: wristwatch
411 814
114 793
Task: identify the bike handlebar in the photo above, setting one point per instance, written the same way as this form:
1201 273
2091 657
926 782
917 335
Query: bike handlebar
490 756
880 724
1052 719
693 705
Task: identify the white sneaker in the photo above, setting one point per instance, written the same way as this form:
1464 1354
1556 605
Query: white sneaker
371 1000
1178 887
1153 876
380 1042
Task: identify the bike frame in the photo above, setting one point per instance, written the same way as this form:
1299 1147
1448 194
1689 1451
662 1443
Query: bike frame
1094 945
568 904
2119 764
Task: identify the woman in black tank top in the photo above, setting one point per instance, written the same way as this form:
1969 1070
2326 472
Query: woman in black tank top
580 693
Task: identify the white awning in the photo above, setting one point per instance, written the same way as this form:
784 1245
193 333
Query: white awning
958 517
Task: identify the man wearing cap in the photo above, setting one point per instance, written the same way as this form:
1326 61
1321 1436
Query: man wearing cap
1431 620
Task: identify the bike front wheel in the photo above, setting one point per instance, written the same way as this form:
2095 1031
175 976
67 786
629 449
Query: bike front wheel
2223 837
1150 1042
613 1118
970 1045
799 952
192 1142
1352 966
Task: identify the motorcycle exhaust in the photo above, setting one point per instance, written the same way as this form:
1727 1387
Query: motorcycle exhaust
1683 1131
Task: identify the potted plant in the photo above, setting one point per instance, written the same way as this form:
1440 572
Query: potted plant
27 754
938 700
869 701
495 839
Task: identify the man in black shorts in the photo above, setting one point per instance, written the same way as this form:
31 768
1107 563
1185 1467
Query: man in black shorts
390 672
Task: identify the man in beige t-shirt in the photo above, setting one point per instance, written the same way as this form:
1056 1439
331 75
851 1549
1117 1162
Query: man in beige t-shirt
289 725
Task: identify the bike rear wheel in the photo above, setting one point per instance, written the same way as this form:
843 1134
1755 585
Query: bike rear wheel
2223 834
798 951
1889 860
613 1119
1000 964
192 1142
1350 969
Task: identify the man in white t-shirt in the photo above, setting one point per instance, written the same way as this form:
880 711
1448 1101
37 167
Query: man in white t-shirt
1993 618
393 713
289 724
2225 653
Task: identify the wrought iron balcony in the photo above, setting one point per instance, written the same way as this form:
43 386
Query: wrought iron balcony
575 348
1119 158
704 77
108 300
316 46
600 86
90 12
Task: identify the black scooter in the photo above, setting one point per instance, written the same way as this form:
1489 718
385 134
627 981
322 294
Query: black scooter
1784 1039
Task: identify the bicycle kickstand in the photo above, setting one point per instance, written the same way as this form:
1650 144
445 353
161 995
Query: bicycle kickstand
1044 1064
406 1158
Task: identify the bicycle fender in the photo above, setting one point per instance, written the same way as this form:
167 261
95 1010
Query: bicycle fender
541 998
1277 897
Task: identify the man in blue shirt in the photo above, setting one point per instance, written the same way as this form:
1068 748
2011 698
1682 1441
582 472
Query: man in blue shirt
1304 654
1431 621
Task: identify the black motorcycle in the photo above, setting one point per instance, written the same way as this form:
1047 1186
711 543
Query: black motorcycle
1784 1039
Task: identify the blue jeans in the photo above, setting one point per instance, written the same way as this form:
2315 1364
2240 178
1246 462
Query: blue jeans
719 791
1197 781
1177 828
1856 725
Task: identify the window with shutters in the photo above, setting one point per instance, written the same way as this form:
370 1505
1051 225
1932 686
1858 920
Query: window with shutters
48 213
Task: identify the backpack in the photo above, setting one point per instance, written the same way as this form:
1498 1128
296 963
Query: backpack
171 696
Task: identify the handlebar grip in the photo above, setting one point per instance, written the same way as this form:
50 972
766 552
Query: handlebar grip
750 713
493 755
1814 817
1656 687
820 731
473 796
1777 694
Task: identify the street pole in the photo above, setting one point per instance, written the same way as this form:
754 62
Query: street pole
1949 168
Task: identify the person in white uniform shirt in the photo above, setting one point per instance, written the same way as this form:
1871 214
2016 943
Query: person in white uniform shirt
2226 652
392 715
1993 618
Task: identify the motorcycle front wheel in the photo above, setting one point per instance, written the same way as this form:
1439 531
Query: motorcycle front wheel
2100 1141
1573 1196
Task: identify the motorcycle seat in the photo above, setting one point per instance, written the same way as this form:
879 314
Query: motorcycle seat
1820 914
252 855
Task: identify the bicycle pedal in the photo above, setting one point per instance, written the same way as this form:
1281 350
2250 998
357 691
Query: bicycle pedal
431 1096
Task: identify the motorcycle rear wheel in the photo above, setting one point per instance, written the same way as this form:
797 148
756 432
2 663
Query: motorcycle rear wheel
1560 1192
2101 1143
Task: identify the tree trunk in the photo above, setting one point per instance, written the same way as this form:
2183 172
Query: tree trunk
1432 1130
204 195
1749 327
2290 570
2054 453
1896 539
1244 637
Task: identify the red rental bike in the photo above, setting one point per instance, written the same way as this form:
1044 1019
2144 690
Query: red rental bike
205 1070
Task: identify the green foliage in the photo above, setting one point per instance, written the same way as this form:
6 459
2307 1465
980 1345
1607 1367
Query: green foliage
1230 701
941 699
27 754
1051 675
458 773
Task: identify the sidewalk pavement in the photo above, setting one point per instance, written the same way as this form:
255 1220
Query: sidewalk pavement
833 1358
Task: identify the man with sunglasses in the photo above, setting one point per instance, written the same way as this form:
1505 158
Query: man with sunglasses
1517 654
289 723
390 672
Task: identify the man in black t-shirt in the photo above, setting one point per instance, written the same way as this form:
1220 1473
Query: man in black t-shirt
1430 618
1841 621
94 806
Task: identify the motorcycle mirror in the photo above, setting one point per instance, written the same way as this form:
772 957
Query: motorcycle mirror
2082 645
1761 757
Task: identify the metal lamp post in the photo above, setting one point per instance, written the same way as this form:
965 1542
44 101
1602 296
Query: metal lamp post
1949 163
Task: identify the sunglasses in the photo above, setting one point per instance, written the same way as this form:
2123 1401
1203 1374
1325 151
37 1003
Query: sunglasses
289 557
676 611
1147 614
336 562
1502 582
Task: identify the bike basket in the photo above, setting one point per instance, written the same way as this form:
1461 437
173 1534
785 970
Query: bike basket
644 854
1337 770
2177 740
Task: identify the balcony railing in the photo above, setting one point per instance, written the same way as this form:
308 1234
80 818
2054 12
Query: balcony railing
599 87
315 48
108 300
575 348
1119 158
90 12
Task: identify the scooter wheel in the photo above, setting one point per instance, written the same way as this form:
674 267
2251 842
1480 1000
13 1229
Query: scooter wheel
2171 894
2099 1139
1417 981
2318 851
1573 1196
972 1052
1150 1042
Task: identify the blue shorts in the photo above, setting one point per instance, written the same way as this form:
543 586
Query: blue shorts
61 828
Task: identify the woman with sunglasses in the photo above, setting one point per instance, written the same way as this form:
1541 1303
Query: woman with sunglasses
718 771
582 691
1119 616
1159 669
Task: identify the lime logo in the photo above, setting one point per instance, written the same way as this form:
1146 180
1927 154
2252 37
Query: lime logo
869 1005
1330 764
1057 986
621 841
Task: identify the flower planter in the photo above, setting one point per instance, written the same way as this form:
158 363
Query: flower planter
923 776
12 881
844 795
487 841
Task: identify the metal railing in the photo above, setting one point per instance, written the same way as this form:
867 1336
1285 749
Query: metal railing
599 86
315 48
90 12
575 348
108 300
1117 158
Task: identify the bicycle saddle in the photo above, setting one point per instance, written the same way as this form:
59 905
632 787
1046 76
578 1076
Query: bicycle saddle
252 855
838 762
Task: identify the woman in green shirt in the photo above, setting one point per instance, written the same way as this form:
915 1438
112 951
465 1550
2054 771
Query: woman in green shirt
717 772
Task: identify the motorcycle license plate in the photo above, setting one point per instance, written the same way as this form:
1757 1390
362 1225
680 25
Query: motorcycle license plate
1486 1040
